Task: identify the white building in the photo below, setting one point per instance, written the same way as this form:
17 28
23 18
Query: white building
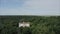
24 24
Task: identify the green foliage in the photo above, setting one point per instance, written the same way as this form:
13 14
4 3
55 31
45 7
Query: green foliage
39 25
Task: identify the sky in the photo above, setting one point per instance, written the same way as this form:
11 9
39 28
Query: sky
29 7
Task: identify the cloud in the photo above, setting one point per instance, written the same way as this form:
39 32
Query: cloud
42 7
34 7
42 4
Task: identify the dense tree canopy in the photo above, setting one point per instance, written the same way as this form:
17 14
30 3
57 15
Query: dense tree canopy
39 25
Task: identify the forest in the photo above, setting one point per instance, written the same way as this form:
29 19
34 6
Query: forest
38 25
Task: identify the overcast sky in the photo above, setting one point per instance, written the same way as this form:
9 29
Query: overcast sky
29 7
